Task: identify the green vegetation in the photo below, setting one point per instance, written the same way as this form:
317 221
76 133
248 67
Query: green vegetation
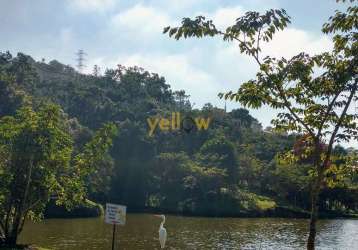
84 210
38 159
57 128
234 168
313 93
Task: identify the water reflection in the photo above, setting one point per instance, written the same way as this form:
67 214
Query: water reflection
190 233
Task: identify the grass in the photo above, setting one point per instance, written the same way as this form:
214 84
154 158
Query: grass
264 205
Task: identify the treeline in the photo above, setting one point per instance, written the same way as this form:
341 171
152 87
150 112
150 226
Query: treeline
235 167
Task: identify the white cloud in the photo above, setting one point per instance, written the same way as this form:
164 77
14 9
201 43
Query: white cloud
143 20
291 41
225 17
178 5
91 5
286 43
261 5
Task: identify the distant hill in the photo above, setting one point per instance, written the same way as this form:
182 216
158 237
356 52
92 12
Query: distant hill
230 168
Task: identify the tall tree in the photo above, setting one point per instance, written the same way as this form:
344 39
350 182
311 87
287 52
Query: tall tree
315 103
36 165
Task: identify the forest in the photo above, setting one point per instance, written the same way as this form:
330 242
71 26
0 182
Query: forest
235 167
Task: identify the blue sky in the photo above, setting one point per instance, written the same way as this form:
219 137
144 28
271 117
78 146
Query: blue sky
130 33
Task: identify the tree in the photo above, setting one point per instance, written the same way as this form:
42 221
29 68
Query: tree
96 71
94 163
221 153
314 103
184 185
182 99
169 172
36 165
11 97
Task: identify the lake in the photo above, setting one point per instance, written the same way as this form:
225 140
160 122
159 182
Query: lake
141 232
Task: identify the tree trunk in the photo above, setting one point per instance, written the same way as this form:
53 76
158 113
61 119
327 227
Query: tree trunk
10 240
313 220
316 188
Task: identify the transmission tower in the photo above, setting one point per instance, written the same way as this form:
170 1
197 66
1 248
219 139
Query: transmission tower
80 60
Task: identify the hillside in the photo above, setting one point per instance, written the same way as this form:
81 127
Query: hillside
231 168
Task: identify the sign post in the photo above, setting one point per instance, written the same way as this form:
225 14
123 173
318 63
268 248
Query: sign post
115 215
113 235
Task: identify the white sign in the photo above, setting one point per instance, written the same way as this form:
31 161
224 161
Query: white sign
115 214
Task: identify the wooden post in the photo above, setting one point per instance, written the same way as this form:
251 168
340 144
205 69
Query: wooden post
115 214
114 235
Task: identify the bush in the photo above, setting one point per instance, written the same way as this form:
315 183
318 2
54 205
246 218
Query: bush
88 209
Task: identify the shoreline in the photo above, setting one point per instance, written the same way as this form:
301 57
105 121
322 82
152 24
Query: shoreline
280 212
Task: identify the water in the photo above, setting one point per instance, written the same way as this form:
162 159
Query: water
141 232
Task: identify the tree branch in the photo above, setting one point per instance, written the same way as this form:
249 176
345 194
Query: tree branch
329 109
339 123
282 94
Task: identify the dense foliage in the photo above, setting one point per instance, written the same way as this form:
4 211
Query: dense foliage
233 168
37 158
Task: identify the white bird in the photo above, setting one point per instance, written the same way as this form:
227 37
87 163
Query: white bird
162 232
